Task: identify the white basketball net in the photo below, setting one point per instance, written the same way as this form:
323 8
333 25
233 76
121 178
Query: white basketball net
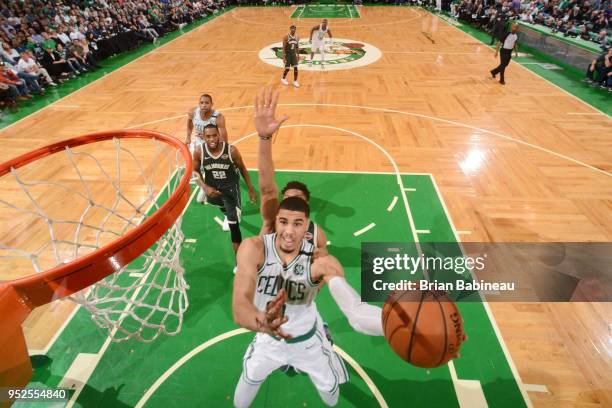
69 204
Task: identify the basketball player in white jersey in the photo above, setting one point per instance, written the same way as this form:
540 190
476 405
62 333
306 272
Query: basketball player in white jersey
317 40
203 115
274 290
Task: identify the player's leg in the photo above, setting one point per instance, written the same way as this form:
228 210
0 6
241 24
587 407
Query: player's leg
233 206
322 51
325 368
285 71
263 356
295 59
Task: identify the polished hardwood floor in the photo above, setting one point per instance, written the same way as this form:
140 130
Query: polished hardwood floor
525 162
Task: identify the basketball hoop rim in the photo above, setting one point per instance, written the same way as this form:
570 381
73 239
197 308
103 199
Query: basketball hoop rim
63 280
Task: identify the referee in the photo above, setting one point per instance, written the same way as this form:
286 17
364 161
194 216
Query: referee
507 44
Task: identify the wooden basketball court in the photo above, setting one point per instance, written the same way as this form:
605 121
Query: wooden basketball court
525 162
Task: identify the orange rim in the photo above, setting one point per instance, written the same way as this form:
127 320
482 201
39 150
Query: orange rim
63 280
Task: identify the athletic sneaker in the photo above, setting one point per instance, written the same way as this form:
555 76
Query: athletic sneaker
225 226
284 81
322 66
201 197
296 84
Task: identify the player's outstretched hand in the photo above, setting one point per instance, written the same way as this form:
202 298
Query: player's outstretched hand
265 109
253 196
274 318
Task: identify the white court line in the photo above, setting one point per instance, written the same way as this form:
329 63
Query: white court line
191 241
410 189
366 378
537 388
418 115
364 229
485 304
463 232
392 205
218 221
137 274
151 390
586 113
423 231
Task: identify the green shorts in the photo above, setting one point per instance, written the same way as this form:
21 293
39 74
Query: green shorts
291 60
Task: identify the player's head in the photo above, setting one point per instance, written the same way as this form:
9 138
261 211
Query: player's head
292 30
205 103
211 136
296 189
324 23
514 28
291 223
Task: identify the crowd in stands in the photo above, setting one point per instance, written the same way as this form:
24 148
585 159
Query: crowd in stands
589 20
47 42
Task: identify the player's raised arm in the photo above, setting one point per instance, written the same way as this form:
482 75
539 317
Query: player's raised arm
248 259
221 127
189 127
266 125
237 158
362 317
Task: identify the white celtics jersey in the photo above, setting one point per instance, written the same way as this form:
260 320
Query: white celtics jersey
319 35
199 123
295 278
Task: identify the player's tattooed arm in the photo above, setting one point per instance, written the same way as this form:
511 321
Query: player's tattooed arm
189 127
221 127
237 158
197 161
249 258
266 125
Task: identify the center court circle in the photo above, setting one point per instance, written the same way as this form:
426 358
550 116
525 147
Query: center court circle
340 54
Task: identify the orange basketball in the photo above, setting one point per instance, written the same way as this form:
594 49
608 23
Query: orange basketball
424 328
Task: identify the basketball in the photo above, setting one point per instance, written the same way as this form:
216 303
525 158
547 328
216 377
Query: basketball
424 328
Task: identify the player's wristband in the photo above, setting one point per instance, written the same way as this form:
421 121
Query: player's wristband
265 137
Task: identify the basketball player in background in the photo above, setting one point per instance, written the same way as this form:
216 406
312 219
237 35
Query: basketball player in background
275 286
291 56
203 115
216 164
317 40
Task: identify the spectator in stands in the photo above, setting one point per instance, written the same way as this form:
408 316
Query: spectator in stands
16 85
28 64
598 70
56 66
